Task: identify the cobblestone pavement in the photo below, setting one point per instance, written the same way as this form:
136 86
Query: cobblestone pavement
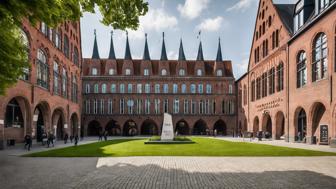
168 172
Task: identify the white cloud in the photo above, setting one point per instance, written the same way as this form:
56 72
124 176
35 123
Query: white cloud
241 5
172 55
212 24
155 20
192 8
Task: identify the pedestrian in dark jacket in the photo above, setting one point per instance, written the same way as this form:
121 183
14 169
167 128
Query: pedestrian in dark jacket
71 138
100 135
105 135
66 136
76 140
28 141
50 139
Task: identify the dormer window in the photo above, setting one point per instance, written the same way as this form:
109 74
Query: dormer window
94 71
111 71
128 71
199 72
146 72
181 72
163 72
298 20
219 73
324 4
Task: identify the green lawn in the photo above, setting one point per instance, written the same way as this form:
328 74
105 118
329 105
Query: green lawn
201 147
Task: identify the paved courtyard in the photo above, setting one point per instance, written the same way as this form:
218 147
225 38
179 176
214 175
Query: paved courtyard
166 172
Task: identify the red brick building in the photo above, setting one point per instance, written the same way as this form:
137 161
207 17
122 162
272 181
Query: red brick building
129 97
46 98
289 90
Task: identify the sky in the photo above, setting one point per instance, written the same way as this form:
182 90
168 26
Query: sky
230 20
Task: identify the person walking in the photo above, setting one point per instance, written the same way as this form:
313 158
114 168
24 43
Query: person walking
71 138
76 140
66 136
100 136
50 139
44 139
28 141
105 135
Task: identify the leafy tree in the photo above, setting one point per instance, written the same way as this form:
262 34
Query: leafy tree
120 14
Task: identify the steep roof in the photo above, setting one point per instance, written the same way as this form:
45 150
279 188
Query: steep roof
181 56
286 12
112 53
146 55
95 52
163 50
128 55
219 57
200 52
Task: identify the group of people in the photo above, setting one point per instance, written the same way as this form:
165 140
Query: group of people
72 139
210 132
48 139
101 135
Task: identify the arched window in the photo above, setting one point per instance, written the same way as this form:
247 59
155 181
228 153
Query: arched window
14 116
87 88
58 39
66 46
128 71
56 78
245 95
25 42
42 70
320 62
113 88
94 71
111 71
219 73
163 72
193 88
181 72
280 75
271 81
64 82
129 88
76 56
199 72
253 90
301 69
146 72
122 88
184 88
175 88
208 88
74 88
230 89
103 88
96 88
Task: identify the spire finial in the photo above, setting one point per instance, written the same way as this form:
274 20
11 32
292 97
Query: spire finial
163 49
112 53
95 52
146 55
219 57
95 32
200 52
181 52
128 55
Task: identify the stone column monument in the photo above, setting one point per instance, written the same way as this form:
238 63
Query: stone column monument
167 128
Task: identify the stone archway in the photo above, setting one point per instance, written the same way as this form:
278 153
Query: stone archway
300 125
58 121
17 118
94 128
149 127
280 125
182 128
130 128
220 127
74 124
255 126
41 121
200 128
113 128
267 124
317 113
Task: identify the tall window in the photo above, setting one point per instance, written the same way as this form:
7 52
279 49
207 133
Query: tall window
193 107
74 89
271 81
280 75
64 83
130 104
147 106
113 88
87 106
200 88
109 106
175 88
87 88
176 106
44 29
58 39
103 88
147 88
186 106
157 88
301 68
264 84
181 72
163 72
94 71
122 88
165 106
277 38
122 106
14 116
199 72
96 88
95 106
208 89
139 106
42 70
146 72
245 95
101 106
157 106
56 78
207 106
25 41
253 90
193 88
165 88
219 72
111 71
298 20
320 62
230 89
258 88
66 48
129 88
139 88
184 88
213 106
76 56
201 107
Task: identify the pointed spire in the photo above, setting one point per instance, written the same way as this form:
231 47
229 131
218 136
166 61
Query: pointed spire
112 53
146 55
95 53
163 49
128 55
219 52
181 56
200 52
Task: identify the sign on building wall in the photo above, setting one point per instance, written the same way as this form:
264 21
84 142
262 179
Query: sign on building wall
324 139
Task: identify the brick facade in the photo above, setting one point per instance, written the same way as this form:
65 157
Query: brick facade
295 113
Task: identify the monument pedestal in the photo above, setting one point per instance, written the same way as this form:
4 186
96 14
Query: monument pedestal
167 128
